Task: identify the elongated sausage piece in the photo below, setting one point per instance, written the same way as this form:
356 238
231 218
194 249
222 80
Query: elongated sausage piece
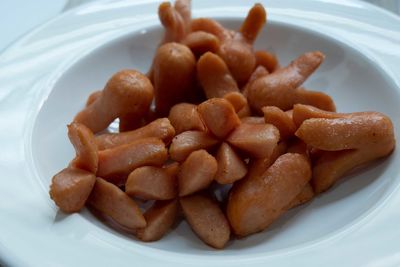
257 140
85 146
256 167
230 166
160 218
357 131
174 72
206 219
185 143
197 172
128 92
303 112
252 25
70 189
151 183
113 202
184 8
115 164
219 116
160 128
214 76
185 117
280 87
211 26
237 51
238 55
236 47
281 120
255 203
333 165
174 25
346 140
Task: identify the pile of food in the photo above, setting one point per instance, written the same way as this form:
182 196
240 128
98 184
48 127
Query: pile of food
215 133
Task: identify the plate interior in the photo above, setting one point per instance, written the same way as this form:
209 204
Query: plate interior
356 83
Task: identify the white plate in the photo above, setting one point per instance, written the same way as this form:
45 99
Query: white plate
46 76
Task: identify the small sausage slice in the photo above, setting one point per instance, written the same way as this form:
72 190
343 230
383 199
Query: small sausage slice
197 172
258 140
281 120
152 183
206 219
185 143
160 217
113 202
70 188
85 146
219 116
230 166
185 117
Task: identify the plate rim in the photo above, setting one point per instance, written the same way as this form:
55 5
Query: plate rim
23 39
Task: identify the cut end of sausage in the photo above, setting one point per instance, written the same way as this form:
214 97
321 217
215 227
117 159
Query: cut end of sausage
70 189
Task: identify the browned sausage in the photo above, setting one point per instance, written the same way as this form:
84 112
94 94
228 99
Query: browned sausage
160 217
279 88
116 163
281 120
174 71
152 183
214 76
257 140
171 19
259 72
70 188
255 203
206 219
184 117
185 143
128 92
201 42
160 128
197 172
252 25
85 146
113 202
230 166
219 116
